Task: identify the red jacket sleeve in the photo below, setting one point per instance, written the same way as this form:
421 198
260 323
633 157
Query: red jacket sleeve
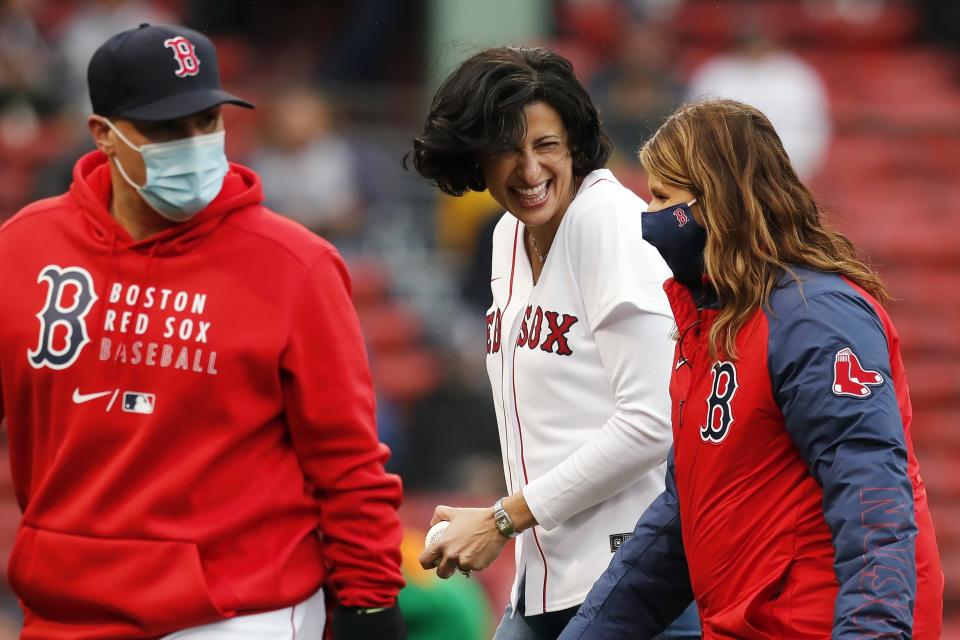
329 403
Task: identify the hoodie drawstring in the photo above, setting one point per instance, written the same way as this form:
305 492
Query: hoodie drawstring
108 276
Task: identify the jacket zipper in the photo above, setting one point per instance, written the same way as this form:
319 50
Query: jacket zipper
686 362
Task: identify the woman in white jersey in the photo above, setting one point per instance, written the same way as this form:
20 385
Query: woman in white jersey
579 347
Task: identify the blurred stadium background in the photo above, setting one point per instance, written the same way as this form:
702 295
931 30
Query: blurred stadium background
865 93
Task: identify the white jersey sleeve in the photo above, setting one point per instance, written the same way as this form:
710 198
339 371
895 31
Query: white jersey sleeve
620 277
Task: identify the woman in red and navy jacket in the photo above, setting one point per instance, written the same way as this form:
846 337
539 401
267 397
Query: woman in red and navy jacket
794 505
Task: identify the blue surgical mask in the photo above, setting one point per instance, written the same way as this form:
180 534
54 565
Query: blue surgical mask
679 239
183 176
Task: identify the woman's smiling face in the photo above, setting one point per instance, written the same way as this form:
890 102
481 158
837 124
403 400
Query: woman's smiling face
534 181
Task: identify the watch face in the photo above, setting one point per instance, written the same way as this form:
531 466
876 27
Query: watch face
505 527
502 521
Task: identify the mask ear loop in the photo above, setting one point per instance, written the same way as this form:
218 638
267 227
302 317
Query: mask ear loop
114 158
125 176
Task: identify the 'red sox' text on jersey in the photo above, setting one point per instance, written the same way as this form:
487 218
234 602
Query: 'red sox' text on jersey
579 365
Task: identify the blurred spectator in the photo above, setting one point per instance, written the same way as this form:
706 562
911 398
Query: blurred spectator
91 24
452 437
73 139
30 73
465 233
312 172
363 49
638 89
787 89
475 283
596 24
337 41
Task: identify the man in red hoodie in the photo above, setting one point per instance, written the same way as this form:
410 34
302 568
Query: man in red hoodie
190 411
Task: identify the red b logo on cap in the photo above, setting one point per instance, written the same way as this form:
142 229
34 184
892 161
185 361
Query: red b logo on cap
185 53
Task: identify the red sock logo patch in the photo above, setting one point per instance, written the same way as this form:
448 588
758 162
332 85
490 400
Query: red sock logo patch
849 376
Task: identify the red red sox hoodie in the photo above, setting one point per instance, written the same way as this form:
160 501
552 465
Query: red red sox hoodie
190 418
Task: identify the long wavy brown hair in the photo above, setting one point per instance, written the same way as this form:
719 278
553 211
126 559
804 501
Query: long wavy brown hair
760 219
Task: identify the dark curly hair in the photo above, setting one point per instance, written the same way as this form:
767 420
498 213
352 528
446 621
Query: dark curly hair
479 109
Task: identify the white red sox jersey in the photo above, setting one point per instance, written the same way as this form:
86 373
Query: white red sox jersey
580 365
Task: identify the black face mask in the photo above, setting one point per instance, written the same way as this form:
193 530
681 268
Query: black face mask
679 239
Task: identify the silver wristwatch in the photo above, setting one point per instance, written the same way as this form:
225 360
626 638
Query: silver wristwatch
504 523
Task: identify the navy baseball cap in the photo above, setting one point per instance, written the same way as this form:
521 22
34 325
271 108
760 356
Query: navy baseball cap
156 73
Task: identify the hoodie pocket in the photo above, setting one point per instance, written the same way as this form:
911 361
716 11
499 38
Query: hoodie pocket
153 585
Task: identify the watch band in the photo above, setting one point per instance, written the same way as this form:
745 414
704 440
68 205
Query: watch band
502 520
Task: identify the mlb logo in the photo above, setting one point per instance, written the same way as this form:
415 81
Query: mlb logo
137 402
617 539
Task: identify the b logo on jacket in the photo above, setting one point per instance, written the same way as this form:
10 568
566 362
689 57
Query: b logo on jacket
61 282
719 410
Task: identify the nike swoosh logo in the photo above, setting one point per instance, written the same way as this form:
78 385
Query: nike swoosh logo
495 279
80 398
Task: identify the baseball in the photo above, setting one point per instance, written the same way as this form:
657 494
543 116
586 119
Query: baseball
435 532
